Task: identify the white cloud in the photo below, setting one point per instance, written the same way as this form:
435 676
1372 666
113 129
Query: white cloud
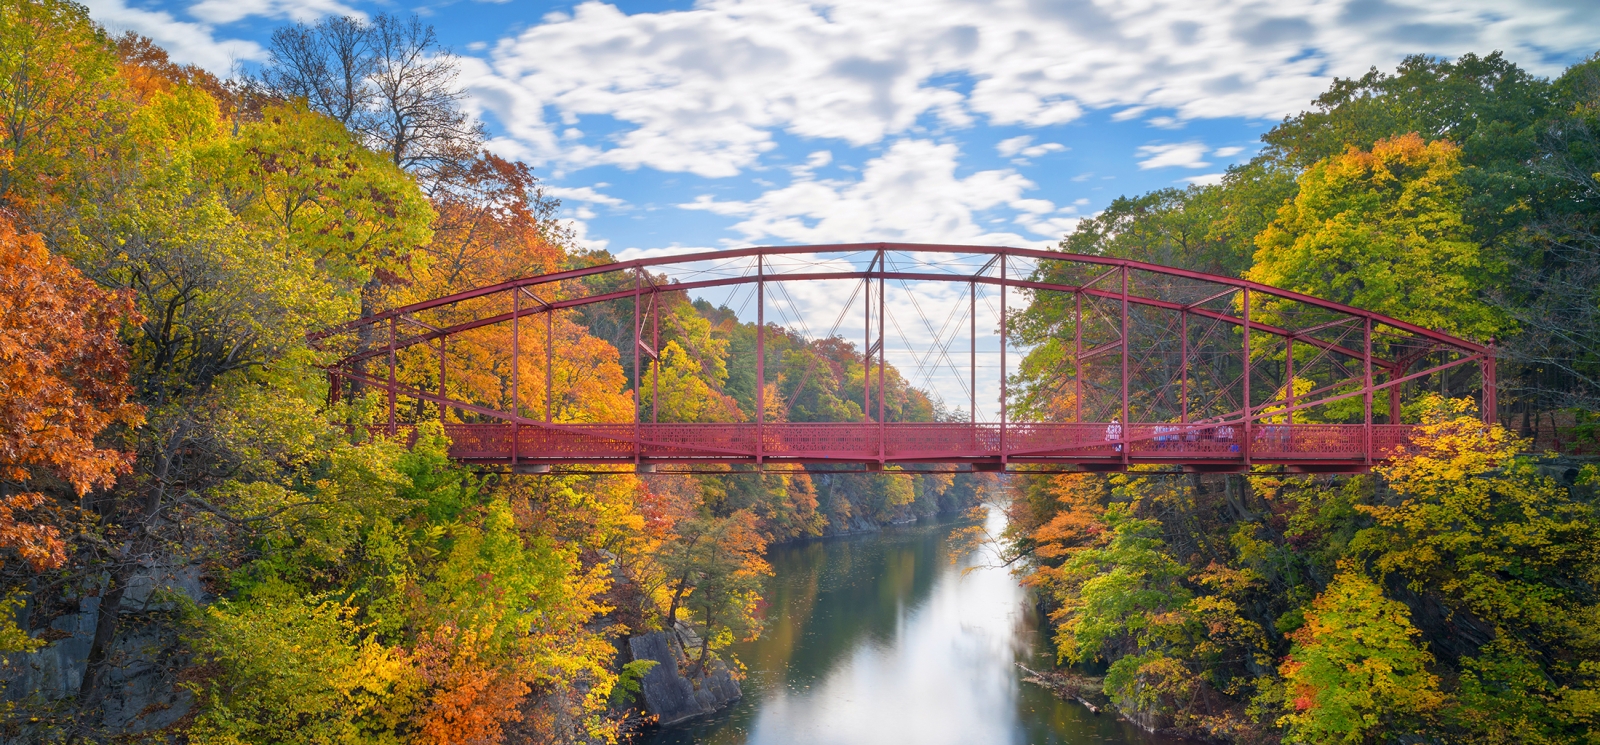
1129 113
1204 179
1033 206
910 193
1050 227
704 90
814 161
1227 152
1184 154
1043 148
585 194
580 235
230 11
1012 146
186 42
631 253
1021 146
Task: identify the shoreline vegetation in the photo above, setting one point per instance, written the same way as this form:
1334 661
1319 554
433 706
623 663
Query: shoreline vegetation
195 546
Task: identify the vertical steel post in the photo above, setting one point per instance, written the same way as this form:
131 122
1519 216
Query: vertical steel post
549 358
1288 365
1183 387
516 376
393 426
1004 410
1491 394
655 347
442 407
1366 394
637 283
972 416
1077 355
761 355
866 344
882 363
1249 411
1127 422
1395 373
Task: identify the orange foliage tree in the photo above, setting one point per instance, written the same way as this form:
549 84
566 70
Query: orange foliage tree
63 379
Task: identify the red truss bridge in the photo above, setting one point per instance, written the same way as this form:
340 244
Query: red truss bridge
1133 364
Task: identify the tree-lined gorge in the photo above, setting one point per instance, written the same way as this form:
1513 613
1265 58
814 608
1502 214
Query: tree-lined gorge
196 546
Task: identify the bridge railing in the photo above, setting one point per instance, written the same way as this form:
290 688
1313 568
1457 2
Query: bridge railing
853 442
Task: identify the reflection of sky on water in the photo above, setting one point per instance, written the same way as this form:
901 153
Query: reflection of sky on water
880 639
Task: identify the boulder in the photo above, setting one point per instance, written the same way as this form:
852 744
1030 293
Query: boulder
669 696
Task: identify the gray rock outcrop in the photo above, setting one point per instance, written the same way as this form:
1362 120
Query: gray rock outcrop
669 696
142 689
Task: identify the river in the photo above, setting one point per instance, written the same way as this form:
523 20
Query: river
882 639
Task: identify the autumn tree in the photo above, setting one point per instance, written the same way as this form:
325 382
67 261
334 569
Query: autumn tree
1383 230
63 379
493 223
57 81
674 390
715 568
1356 673
1125 602
1510 548
319 193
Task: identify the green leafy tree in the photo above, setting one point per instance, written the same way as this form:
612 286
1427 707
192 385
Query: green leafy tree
58 89
675 388
1356 673
1126 602
1383 230
315 191
715 569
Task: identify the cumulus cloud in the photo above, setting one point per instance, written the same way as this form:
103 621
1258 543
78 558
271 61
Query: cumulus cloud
631 253
580 235
910 193
586 194
1227 152
1022 146
186 42
1049 227
230 11
1184 154
704 90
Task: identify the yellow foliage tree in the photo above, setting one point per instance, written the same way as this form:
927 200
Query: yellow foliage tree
1382 229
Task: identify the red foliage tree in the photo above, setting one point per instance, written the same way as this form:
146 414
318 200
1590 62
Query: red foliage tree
63 379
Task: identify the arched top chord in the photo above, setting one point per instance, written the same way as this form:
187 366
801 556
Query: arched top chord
876 268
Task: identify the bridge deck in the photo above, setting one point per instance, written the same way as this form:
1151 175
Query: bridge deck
1091 446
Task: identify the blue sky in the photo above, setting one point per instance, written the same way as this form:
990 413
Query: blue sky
678 126
674 125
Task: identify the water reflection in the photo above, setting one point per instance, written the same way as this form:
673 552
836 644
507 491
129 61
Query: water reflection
881 639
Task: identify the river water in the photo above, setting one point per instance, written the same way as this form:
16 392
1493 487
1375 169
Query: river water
881 639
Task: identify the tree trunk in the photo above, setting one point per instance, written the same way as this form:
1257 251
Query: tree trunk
105 631
139 544
705 649
677 597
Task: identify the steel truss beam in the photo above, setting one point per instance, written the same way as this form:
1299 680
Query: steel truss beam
1242 439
